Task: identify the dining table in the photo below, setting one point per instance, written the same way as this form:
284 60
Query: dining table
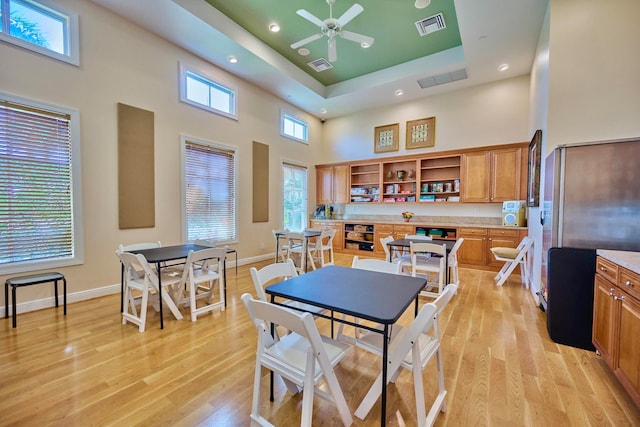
404 244
377 297
165 254
303 237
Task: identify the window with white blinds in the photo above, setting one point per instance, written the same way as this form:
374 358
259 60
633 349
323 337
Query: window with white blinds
37 223
209 191
294 193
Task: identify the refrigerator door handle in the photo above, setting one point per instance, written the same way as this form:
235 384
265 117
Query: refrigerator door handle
541 217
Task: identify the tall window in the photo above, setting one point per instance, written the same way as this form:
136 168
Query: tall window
40 26
202 92
209 191
294 193
39 202
294 128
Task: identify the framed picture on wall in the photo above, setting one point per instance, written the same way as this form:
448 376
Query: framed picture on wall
386 138
533 177
421 133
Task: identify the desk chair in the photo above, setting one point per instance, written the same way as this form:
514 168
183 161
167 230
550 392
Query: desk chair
412 348
301 358
513 257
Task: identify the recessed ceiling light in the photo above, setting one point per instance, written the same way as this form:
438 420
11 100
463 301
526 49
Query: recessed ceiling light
232 59
303 51
274 28
503 67
365 45
399 92
421 4
323 111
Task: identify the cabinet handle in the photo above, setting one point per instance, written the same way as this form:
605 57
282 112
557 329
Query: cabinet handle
621 298
628 284
603 268
611 292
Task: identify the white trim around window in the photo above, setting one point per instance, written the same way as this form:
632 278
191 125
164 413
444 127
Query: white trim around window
203 91
63 39
293 127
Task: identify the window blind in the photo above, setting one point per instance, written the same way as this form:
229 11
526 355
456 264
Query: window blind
36 221
210 192
294 193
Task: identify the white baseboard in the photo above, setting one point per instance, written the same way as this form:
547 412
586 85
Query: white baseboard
49 302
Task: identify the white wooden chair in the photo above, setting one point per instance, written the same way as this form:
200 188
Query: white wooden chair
513 257
140 285
433 267
320 248
411 349
301 358
395 256
282 244
274 273
202 270
452 261
128 248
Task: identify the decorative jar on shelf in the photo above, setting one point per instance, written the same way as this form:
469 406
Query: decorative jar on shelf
400 175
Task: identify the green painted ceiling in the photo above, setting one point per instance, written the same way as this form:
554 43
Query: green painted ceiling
390 22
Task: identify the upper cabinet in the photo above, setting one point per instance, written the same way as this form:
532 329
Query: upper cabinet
493 175
332 184
365 183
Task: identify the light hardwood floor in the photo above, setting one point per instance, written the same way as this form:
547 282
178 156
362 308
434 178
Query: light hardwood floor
501 368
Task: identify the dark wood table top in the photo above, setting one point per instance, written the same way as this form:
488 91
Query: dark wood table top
168 253
405 243
379 297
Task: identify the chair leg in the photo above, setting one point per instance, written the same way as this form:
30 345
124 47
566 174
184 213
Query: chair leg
308 391
510 266
418 386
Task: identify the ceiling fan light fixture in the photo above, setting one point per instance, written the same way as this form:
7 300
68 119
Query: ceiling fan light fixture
274 28
421 4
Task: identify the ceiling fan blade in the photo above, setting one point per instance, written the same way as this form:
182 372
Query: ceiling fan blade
309 17
306 40
355 37
353 11
333 54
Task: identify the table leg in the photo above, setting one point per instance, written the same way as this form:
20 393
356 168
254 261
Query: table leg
385 357
277 252
273 330
225 279
121 287
160 294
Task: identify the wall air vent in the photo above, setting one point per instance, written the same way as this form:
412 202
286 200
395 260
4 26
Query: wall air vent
320 64
443 78
431 24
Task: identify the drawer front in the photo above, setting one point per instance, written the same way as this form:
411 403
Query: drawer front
403 229
473 231
385 228
498 232
629 281
607 269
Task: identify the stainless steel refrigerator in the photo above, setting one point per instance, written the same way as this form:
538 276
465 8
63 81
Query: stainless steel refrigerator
591 201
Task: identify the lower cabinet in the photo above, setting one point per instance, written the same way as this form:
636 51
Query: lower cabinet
616 322
476 248
338 239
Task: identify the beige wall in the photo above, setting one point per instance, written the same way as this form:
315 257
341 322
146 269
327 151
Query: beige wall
121 63
594 83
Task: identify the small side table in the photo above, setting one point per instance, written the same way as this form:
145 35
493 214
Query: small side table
33 279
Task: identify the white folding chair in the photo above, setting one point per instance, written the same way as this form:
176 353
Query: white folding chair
301 358
274 273
411 349
433 267
377 265
453 262
129 248
282 245
202 270
395 256
296 248
317 249
513 257
141 284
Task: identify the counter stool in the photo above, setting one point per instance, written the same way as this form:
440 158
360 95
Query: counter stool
33 279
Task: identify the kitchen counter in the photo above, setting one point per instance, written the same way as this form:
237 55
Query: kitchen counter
426 221
626 259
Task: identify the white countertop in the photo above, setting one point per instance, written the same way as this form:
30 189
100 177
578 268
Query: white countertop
628 260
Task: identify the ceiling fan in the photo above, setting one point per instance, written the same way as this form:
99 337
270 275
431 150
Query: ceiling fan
332 28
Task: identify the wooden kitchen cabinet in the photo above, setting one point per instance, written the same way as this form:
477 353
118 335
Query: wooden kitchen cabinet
505 238
493 175
332 184
474 248
616 322
381 231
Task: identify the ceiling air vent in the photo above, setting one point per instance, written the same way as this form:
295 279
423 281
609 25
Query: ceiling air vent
443 78
320 64
431 24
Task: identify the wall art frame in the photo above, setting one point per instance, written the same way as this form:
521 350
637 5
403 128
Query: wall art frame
533 175
386 138
421 133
